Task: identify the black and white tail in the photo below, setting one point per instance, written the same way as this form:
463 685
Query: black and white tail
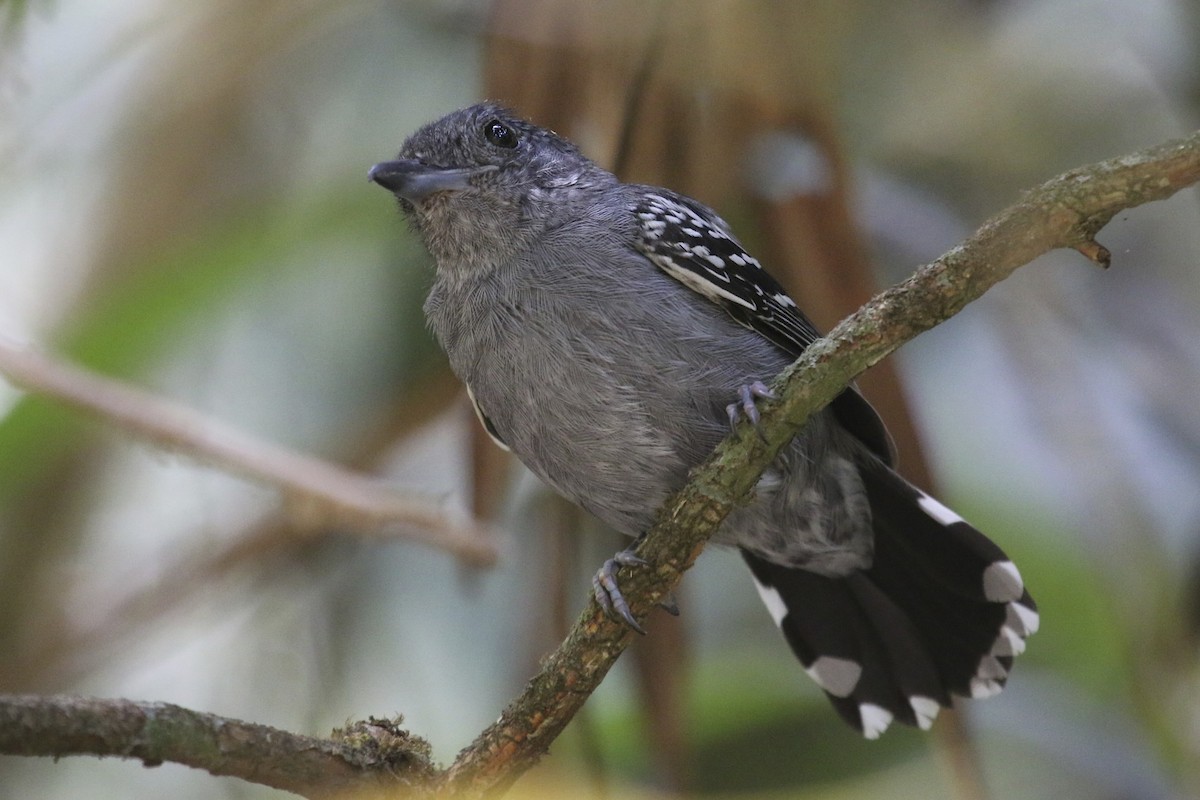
942 611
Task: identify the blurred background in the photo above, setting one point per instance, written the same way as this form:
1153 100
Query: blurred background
184 205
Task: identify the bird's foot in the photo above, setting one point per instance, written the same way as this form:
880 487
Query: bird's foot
746 403
608 593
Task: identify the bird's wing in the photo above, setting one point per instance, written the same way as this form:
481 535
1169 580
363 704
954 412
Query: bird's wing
695 247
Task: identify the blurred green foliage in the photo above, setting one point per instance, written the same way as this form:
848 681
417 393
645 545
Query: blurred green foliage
278 272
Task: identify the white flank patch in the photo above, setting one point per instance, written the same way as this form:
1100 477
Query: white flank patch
938 511
981 688
1002 582
1008 643
838 676
483 421
772 600
926 709
875 719
1023 620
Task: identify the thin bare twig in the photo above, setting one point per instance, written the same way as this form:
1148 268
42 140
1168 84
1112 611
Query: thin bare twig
318 492
68 650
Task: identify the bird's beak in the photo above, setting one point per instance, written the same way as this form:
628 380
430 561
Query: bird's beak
414 180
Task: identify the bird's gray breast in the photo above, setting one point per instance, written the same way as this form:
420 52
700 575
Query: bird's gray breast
610 380
561 364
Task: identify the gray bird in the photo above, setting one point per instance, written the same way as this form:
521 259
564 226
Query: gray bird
608 333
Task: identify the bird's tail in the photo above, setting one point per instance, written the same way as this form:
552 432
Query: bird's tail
941 611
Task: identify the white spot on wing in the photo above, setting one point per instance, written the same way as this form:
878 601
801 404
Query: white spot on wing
1008 643
981 688
696 283
875 719
938 511
772 600
838 676
1023 620
1002 582
926 709
990 669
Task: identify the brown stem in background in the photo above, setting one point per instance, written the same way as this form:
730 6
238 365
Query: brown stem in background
814 248
1064 212
654 110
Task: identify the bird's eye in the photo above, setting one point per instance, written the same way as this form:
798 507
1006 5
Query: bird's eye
500 134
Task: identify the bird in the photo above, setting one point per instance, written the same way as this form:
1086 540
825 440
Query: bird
609 333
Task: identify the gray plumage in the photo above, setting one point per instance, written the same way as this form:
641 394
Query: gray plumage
556 323
604 328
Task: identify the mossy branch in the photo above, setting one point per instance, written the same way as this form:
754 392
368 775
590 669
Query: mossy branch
366 757
1067 211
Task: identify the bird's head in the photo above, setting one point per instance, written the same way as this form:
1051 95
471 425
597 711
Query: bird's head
481 182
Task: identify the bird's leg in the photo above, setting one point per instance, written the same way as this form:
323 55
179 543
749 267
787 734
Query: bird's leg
746 405
608 593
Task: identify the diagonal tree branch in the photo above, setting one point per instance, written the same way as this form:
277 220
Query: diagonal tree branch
364 757
1066 211
319 493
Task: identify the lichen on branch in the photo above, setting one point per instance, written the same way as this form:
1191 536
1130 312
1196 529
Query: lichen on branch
1065 212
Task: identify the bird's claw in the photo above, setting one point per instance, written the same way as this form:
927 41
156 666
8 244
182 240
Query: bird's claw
746 404
608 593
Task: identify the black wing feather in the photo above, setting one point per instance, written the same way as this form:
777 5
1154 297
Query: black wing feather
695 247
